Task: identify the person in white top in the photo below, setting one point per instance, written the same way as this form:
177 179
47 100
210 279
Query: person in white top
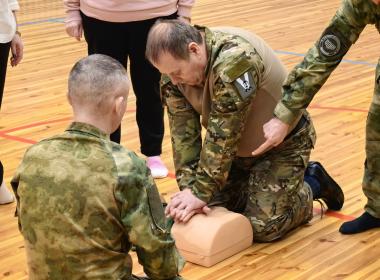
10 39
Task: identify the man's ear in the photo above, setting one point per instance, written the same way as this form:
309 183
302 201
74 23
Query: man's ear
119 105
193 48
69 99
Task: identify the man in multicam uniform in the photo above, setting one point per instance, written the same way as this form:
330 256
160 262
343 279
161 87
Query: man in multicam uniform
228 81
308 77
82 200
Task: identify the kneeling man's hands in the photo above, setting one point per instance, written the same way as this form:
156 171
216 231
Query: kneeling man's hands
184 205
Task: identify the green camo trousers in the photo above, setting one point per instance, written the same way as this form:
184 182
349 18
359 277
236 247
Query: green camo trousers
269 190
371 180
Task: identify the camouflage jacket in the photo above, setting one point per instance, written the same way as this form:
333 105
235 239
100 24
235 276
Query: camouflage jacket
82 200
307 78
204 167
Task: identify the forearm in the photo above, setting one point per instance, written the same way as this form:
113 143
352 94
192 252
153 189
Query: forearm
142 215
218 151
72 9
155 247
185 131
15 17
186 144
185 7
303 82
308 77
71 5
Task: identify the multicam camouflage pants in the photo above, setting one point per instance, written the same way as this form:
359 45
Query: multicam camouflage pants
269 189
371 180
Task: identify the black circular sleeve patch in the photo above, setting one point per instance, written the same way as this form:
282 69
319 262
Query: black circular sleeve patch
329 45
333 45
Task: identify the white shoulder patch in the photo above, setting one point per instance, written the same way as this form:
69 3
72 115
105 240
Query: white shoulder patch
245 85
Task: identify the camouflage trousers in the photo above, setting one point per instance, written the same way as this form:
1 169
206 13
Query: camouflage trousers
371 180
269 190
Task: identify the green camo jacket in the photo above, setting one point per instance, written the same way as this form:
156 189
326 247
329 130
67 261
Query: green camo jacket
204 167
82 200
307 78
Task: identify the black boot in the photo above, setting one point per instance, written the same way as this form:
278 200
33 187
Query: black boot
329 191
365 222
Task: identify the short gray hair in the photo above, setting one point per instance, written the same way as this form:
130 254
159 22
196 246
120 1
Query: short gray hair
95 78
173 37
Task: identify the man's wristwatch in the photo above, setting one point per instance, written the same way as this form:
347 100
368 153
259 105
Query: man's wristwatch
18 33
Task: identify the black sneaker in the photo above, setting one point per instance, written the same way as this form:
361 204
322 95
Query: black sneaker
331 193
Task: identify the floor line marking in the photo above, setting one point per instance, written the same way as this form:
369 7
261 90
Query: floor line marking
18 139
334 214
49 20
32 125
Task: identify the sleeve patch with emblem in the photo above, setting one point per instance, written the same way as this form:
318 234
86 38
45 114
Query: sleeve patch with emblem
245 85
333 44
329 45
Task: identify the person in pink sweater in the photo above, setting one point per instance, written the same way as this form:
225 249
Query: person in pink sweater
119 29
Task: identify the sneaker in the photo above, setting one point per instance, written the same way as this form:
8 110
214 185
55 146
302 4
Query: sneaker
5 195
331 193
157 167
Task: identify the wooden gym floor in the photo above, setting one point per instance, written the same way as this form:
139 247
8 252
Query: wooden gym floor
35 107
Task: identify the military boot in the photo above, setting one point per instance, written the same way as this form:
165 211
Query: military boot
329 192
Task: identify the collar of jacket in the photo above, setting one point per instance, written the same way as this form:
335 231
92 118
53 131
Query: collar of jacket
85 128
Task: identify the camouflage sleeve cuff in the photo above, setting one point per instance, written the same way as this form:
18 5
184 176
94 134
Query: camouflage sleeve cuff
205 196
285 114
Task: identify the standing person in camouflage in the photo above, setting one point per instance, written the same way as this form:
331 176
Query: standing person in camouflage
308 77
82 200
228 80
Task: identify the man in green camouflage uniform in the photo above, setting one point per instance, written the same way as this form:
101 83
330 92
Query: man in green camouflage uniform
82 200
228 81
308 77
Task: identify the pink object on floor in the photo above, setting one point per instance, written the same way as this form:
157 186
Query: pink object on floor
157 167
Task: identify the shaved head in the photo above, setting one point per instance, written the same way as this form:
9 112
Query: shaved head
96 79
